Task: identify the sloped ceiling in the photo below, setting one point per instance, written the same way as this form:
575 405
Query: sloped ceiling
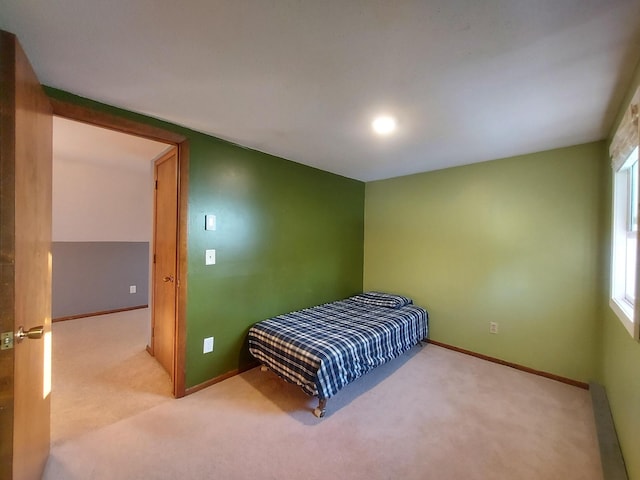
467 80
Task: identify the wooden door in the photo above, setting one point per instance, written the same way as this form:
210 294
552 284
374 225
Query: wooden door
165 243
25 264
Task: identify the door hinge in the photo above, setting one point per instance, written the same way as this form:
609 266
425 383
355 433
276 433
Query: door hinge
156 184
154 258
6 340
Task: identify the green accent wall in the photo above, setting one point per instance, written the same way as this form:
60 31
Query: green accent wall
288 236
513 241
620 352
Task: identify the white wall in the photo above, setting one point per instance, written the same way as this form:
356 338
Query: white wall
102 184
102 202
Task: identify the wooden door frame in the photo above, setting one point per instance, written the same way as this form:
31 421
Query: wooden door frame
113 122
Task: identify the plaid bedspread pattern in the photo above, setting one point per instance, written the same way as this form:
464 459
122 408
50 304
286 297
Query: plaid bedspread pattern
324 348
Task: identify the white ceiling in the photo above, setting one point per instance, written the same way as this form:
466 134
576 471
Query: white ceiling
467 80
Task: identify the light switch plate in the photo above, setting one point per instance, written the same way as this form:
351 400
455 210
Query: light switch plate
207 345
210 222
209 257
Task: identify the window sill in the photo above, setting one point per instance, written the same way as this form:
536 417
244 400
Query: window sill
624 311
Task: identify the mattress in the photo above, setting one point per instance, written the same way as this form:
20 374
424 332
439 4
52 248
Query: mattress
326 347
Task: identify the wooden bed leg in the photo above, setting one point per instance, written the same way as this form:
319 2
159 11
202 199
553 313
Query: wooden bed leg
321 408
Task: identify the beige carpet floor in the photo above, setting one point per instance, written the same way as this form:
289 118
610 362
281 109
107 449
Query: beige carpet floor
102 373
431 414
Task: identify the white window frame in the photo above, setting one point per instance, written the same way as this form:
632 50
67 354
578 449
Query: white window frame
622 301
624 262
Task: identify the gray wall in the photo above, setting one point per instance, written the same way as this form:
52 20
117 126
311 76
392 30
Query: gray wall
91 277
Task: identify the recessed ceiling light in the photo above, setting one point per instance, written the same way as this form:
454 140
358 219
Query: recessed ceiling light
384 125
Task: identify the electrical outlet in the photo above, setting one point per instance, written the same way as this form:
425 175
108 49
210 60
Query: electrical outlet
132 289
209 257
207 346
493 327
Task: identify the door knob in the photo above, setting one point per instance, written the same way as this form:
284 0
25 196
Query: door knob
168 278
34 332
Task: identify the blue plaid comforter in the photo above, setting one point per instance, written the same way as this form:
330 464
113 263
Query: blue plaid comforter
324 348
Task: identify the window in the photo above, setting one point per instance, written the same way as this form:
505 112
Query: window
624 153
625 236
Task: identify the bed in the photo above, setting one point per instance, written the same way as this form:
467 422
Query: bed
324 348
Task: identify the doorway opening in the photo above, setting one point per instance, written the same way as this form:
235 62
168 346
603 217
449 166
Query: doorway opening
102 118
103 246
